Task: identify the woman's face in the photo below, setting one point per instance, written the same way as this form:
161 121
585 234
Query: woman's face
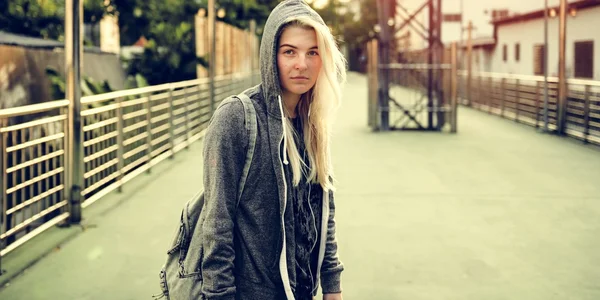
298 59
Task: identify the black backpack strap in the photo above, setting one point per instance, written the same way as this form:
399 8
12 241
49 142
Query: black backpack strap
251 128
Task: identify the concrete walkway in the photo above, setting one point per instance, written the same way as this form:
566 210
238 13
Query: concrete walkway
496 211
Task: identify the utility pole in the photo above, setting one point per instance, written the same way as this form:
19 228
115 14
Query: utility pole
74 158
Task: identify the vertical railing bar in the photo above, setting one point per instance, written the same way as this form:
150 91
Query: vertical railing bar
120 144
187 118
537 103
517 101
39 171
503 96
21 192
47 180
61 160
3 187
586 114
491 94
149 131
171 121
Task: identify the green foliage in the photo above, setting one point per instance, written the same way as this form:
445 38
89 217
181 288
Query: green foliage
45 18
58 86
169 55
89 86
33 18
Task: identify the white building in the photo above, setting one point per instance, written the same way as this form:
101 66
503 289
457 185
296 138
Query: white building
519 42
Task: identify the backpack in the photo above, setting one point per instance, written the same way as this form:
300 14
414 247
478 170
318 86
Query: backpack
180 276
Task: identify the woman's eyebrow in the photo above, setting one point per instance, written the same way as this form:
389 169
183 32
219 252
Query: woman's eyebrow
294 47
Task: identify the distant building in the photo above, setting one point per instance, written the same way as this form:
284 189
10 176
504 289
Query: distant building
518 43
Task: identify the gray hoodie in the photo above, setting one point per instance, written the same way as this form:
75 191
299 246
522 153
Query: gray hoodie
248 249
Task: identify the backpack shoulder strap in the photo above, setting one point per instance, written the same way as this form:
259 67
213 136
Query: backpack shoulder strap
251 128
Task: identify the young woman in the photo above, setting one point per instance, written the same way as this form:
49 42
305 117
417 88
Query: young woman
279 241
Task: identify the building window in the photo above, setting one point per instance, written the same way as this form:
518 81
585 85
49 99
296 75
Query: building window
539 59
584 59
517 52
504 52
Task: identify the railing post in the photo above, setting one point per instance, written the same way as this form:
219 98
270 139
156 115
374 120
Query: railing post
479 91
120 143
503 100
454 89
586 114
74 166
3 181
517 102
149 131
469 62
187 118
171 125
212 65
561 101
537 104
491 94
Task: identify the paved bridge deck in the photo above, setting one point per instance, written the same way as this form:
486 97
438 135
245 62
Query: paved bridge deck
496 211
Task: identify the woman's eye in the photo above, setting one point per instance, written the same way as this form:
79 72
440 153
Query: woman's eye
288 52
313 53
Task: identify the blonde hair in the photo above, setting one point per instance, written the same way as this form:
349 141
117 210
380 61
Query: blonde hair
316 109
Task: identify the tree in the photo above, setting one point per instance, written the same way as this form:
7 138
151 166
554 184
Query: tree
42 19
168 25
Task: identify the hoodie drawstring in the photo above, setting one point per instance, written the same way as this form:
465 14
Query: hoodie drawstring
285 160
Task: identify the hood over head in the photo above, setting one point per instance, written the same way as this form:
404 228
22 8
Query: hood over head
279 17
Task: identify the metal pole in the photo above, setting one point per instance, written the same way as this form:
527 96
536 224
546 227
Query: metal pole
384 45
430 62
439 60
460 50
213 49
469 62
120 143
252 51
453 96
562 82
74 160
545 62
3 186
149 131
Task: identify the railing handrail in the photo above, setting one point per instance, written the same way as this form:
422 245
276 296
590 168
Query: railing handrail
553 79
32 108
142 90
589 82
155 88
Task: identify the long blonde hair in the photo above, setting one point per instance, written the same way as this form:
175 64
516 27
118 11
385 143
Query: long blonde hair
316 109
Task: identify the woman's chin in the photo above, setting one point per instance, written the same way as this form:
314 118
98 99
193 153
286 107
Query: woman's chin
299 90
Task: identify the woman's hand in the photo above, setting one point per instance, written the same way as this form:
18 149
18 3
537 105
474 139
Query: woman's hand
337 296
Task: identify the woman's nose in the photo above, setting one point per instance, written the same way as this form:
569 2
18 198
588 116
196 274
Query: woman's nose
300 63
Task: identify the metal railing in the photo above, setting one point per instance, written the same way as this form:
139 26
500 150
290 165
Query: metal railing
521 98
125 133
